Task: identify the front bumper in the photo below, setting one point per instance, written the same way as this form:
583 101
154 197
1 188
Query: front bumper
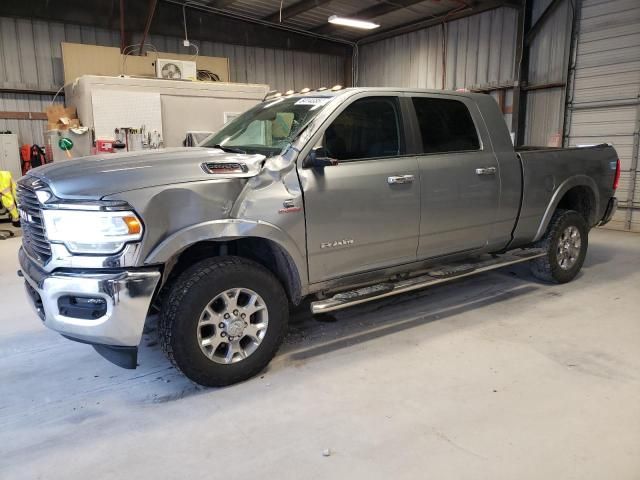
127 296
612 206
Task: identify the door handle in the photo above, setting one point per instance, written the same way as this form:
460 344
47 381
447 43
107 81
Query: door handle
400 179
486 171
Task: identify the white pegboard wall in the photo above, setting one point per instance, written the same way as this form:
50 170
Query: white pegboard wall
117 108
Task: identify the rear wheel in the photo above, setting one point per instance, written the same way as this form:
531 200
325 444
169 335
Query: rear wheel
223 320
565 242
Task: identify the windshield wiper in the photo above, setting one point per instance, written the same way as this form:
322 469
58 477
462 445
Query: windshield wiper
228 149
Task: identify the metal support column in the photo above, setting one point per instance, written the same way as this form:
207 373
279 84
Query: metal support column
571 71
633 172
518 119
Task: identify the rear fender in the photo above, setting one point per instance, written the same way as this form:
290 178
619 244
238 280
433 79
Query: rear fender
563 188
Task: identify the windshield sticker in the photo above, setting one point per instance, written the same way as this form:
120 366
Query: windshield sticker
313 101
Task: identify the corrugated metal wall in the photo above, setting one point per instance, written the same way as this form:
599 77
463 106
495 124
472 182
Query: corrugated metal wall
30 57
411 60
479 52
29 131
605 98
548 63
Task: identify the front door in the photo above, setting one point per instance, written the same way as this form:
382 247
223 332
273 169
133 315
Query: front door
364 213
459 175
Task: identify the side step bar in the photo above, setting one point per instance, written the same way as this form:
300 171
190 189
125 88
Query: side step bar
435 276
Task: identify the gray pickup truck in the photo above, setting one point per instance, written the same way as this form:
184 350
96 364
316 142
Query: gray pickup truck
343 196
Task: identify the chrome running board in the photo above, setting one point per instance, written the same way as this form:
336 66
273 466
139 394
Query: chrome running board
438 274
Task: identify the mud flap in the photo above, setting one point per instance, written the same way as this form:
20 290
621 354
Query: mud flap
125 357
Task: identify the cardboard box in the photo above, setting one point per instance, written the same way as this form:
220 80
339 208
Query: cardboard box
61 118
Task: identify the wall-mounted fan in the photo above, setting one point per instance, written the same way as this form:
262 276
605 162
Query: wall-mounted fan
176 69
171 71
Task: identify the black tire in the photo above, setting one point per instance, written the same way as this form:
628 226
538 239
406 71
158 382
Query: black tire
196 288
548 268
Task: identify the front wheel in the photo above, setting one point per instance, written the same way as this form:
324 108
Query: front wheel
565 242
223 321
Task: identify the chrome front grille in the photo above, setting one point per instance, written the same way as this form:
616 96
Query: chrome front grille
34 240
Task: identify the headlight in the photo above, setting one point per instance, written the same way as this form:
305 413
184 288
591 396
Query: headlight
92 232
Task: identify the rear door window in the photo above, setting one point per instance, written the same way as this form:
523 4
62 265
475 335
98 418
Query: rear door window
445 125
368 128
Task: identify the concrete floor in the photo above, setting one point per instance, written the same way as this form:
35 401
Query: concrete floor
494 377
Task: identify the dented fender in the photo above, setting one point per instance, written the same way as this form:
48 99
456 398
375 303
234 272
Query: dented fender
268 205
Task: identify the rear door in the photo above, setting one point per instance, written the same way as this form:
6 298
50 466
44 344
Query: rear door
459 176
362 214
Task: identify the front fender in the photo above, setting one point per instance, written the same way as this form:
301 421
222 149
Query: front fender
563 188
227 229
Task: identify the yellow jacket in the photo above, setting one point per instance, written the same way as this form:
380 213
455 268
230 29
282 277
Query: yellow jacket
8 194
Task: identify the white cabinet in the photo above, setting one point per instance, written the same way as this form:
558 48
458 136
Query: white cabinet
172 107
10 154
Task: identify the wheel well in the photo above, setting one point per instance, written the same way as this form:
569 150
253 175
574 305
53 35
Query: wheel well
265 252
582 200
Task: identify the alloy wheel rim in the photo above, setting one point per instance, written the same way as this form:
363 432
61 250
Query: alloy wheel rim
232 325
568 249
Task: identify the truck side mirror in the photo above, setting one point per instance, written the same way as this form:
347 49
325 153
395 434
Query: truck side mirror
318 158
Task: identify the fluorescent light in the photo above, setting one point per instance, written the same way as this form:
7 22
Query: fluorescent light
352 22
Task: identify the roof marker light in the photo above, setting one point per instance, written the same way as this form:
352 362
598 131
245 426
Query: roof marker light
271 95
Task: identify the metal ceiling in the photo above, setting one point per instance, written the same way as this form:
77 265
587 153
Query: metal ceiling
284 24
311 16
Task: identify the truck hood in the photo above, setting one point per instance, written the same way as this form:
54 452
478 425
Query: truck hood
96 176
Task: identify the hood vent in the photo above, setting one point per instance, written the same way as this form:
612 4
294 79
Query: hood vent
224 168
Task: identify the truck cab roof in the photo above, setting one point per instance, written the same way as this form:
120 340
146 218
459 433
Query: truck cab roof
391 90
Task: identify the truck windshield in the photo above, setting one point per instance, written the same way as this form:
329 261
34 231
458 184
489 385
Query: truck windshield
268 127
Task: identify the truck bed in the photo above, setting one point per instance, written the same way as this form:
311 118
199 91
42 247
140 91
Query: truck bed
550 172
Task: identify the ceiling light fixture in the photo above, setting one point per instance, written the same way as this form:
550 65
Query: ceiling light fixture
352 22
